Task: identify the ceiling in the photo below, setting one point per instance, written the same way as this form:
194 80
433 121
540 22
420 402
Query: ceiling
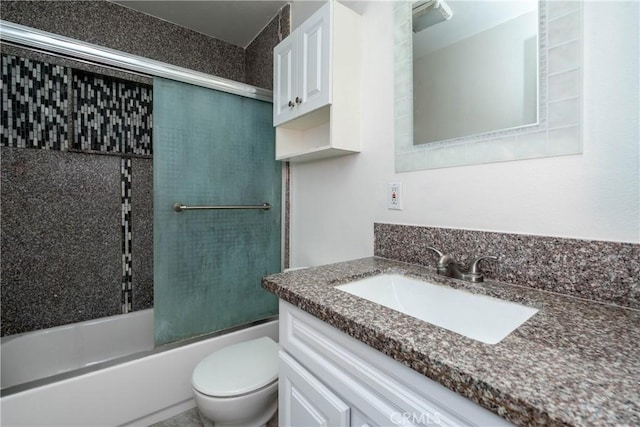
237 22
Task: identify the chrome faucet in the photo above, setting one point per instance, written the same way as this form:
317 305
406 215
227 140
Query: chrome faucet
448 266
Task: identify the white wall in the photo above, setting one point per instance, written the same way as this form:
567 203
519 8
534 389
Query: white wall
595 195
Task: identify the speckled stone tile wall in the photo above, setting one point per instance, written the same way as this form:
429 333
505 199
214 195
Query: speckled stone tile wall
259 54
595 270
259 67
61 245
22 303
117 27
142 229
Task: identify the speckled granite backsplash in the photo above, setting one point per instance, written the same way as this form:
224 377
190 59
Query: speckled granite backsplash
596 270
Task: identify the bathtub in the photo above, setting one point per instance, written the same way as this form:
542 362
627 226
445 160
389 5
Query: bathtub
47 352
90 381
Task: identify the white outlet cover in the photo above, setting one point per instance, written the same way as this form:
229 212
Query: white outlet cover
394 196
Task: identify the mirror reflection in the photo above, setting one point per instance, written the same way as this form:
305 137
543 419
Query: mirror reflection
475 67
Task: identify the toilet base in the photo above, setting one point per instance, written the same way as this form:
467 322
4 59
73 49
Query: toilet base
260 422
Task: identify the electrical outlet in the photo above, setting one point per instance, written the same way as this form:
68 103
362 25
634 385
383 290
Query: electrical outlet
394 196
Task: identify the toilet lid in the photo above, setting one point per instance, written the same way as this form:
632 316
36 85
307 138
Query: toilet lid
237 369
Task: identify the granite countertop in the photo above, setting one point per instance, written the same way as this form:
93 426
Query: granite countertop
576 362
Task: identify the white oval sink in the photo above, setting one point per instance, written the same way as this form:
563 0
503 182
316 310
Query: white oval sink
480 317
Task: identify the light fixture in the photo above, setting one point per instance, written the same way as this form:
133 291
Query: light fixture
430 12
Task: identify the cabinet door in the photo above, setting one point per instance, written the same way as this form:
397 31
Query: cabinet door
304 400
359 419
285 79
314 42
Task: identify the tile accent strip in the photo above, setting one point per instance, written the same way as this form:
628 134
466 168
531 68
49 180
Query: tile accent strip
111 115
601 271
34 104
127 260
287 215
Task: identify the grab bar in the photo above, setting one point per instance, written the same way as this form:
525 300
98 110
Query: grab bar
179 207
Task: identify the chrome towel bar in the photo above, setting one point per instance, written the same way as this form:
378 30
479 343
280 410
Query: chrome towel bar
179 207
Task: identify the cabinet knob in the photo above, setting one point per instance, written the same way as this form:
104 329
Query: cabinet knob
291 104
298 100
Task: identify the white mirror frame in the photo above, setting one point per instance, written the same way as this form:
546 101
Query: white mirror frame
559 128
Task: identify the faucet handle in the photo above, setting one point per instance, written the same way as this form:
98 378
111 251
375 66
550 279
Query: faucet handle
474 268
444 261
440 254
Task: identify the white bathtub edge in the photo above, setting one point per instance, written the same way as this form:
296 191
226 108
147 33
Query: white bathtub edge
131 393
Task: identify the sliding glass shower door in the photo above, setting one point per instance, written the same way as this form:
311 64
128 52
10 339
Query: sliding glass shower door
212 148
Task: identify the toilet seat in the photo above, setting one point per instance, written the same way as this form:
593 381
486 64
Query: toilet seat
238 369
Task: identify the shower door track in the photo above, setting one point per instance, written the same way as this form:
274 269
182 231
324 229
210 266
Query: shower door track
76 49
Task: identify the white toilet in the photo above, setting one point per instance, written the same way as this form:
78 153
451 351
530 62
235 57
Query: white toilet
238 385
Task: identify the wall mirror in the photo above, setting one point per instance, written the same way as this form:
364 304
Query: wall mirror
475 71
486 81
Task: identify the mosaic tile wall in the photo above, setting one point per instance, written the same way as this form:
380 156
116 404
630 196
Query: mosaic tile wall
61 194
111 115
34 104
127 240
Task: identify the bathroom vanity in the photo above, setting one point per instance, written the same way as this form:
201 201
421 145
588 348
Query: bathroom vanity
329 378
348 361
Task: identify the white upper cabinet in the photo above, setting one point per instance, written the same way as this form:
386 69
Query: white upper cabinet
314 61
301 69
316 105
285 79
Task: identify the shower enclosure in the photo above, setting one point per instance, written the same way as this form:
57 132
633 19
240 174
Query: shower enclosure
78 185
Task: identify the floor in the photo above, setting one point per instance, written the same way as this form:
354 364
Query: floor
190 418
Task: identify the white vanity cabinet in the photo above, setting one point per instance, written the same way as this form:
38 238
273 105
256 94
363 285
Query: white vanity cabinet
305 401
328 378
316 94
